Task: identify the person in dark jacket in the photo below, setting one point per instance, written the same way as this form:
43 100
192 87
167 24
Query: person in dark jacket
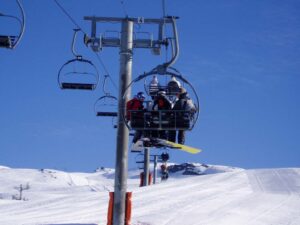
162 105
183 109
161 102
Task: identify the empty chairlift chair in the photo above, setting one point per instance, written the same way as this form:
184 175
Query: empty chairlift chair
78 73
10 39
107 105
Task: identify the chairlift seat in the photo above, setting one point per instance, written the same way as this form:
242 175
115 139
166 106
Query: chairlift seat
7 41
78 86
112 114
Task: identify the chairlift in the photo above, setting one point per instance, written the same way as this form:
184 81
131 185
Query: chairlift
10 41
78 73
151 120
106 105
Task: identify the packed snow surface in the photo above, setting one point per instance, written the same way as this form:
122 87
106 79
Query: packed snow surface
220 196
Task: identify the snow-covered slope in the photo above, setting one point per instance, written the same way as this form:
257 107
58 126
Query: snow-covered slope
221 196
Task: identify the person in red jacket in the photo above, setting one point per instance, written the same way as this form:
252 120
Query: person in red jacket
137 103
134 114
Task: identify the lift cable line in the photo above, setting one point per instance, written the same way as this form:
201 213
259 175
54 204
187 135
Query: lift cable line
68 15
123 7
11 41
105 69
164 8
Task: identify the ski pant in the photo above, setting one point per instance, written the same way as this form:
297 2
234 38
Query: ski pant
180 136
162 134
138 135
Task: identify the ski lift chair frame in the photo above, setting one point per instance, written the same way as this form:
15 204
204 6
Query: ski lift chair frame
78 59
77 85
103 113
162 119
11 41
106 96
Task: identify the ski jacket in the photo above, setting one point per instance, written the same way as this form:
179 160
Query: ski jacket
133 104
185 103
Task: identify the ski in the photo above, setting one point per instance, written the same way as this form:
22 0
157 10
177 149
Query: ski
161 143
181 147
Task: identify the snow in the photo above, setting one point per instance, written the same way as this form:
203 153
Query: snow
221 195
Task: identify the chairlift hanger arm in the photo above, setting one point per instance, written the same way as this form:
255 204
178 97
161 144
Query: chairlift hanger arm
73 44
104 85
175 49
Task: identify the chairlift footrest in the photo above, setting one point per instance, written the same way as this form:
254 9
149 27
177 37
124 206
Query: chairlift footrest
113 114
78 86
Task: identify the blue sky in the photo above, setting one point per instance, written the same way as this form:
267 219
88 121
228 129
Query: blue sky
243 58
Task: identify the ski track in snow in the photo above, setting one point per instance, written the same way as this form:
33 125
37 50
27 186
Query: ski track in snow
224 196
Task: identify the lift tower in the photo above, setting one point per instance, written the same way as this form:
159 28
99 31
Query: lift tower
126 43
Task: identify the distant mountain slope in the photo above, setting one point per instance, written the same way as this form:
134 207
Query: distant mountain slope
222 195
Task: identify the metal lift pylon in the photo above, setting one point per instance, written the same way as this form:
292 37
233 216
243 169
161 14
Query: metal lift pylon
126 43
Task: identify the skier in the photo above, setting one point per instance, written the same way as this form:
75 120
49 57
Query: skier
161 102
164 168
173 86
135 113
164 172
184 108
163 106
